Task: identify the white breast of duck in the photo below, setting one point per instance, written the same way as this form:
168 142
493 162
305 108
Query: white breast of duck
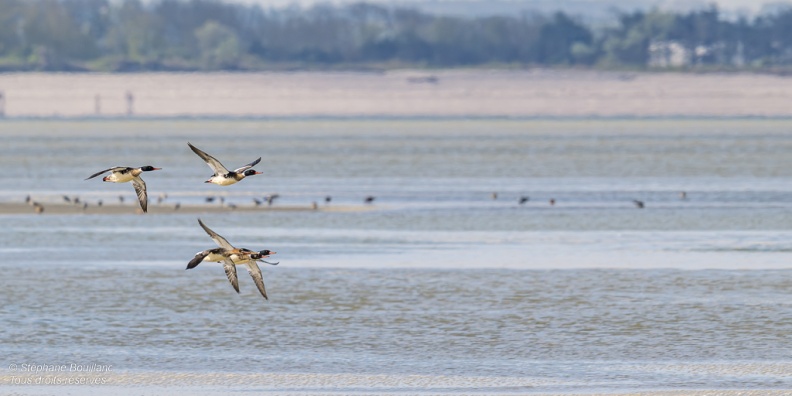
227 179
231 177
216 255
122 176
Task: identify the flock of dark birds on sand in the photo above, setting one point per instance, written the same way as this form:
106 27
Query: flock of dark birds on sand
638 203
268 199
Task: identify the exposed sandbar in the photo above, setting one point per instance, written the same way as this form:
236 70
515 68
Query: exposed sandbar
115 209
452 93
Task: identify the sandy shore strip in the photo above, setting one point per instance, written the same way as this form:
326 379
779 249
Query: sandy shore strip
449 93
12 208
33 390
303 383
210 383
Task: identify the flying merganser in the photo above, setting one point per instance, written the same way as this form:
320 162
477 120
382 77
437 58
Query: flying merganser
123 174
231 257
222 176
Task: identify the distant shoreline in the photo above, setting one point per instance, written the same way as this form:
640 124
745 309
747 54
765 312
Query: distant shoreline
429 118
401 94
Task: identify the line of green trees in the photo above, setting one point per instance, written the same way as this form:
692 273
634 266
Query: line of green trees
131 35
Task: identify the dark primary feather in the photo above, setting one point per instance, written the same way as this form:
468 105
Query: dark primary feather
197 259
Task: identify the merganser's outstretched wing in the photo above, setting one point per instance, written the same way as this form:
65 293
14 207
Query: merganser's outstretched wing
248 166
255 273
219 240
213 163
114 169
140 189
198 258
231 273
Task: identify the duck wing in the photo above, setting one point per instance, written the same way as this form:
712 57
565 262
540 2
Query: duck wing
255 273
248 166
114 169
231 273
219 240
140 189
213 163
198 258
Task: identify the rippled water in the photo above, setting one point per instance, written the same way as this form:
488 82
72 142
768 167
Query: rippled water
590 325
436 287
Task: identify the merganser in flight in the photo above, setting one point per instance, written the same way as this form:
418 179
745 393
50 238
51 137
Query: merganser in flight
222 176
123 174
231 257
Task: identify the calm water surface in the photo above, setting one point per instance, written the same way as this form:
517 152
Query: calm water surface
436 287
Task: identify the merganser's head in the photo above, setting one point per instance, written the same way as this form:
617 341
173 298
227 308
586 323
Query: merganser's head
263 254
148 168
251 172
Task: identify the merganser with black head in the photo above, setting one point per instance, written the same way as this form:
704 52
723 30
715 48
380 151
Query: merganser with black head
123 174
231 257
222 176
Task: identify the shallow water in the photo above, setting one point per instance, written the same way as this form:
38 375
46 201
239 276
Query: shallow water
571 328
436 286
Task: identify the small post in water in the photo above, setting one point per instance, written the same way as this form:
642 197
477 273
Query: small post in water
130 99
